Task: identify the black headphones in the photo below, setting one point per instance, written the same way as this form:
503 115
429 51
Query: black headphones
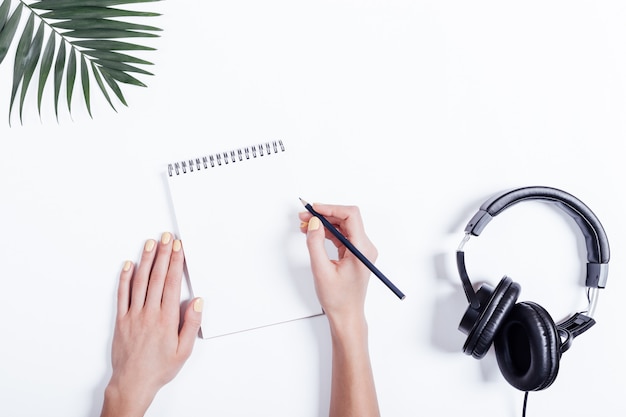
527 342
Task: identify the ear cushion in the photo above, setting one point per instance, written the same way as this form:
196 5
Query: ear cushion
527 348
494 312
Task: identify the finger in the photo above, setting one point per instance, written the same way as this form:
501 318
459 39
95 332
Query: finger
191 327
315 243
304 228
171 289
159 271
348 218
142 276
335 215
304 217
123 289
349 222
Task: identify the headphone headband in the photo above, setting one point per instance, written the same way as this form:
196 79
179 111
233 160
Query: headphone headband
596 241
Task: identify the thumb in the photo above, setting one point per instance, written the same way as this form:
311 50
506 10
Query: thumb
191 327
315 238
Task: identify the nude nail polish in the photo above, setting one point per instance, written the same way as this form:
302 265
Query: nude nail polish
166 237
314 223
149 245
127 266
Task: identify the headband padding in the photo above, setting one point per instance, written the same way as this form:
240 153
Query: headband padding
596 240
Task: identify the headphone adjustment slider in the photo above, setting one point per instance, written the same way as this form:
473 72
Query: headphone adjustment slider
597 275
577 324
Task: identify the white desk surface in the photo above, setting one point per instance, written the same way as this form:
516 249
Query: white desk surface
416 111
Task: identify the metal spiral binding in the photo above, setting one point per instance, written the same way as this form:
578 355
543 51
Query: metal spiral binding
225 158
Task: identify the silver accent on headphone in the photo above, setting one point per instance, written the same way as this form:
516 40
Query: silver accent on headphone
463 242
593 301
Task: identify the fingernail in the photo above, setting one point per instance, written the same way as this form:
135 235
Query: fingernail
149 245
127 266
176 246
303 225
165 238
314 223
198 304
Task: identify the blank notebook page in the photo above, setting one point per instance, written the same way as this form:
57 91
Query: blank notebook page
237 216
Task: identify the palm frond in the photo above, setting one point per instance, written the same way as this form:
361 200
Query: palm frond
44 70
67 38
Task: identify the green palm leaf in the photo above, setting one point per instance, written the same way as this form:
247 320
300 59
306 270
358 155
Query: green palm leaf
46 65
89 40
59 69
21 54
101 24
30 62
95 12
8 27
84 78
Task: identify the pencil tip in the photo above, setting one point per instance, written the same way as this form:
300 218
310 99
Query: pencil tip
304 203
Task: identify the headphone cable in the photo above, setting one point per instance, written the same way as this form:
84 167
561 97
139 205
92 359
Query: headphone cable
524 406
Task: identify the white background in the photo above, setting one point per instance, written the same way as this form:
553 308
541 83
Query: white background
416 111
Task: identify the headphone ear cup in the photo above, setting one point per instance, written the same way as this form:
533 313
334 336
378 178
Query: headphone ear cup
491 316
528 348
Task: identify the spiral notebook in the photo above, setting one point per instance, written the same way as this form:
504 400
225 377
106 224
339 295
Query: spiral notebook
237 216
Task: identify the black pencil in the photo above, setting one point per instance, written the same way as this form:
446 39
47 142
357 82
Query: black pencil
354 250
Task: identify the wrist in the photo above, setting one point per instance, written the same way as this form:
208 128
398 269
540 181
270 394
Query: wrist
348 329
121 403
